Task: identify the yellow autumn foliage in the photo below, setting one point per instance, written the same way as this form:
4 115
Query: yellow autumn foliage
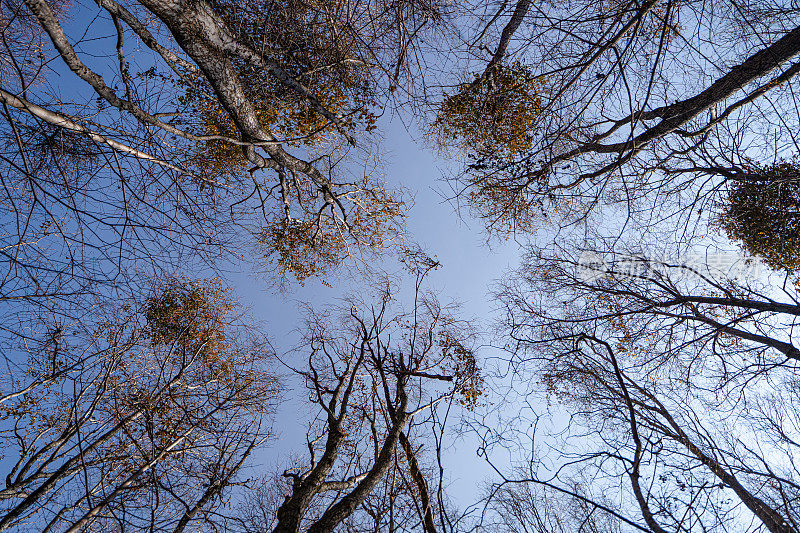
762 213
190 314
461 364
311 247
492 115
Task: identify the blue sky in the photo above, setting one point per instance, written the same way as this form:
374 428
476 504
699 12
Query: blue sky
468 268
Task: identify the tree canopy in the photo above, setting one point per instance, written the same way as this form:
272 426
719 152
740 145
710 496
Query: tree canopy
641 156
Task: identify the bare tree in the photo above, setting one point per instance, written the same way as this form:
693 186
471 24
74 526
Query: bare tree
679 383
631 98
213 126
539 509
378 381
143 422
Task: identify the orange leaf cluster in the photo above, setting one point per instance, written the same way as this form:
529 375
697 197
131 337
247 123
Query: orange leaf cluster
492 115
